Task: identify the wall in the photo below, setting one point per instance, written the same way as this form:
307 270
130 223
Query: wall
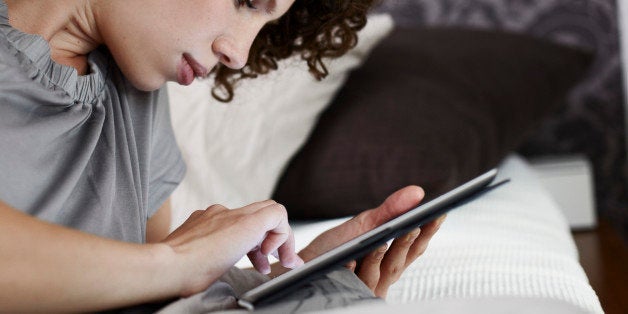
623 20
593 120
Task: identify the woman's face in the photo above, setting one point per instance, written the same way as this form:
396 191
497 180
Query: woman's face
154 41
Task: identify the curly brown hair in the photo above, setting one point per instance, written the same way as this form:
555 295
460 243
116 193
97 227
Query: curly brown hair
315 29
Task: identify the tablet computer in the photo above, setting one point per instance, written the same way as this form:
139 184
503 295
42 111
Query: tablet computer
361 245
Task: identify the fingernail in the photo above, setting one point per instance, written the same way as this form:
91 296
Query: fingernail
265 270
382 249
294 263
297 262
413 235
351 265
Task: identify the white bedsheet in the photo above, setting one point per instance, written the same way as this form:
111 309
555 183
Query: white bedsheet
512 243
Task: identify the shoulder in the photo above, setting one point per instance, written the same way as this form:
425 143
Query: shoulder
9 63
16 82
13 74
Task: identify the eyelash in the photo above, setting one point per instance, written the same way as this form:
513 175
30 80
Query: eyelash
247 3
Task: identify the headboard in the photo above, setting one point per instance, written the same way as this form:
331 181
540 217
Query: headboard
593 120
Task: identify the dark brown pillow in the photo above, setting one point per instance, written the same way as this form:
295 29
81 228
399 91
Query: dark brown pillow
430 107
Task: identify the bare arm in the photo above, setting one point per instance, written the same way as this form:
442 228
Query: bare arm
44 266
158 226
59 269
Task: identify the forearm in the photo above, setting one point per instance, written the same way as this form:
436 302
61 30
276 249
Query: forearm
158 226
43 266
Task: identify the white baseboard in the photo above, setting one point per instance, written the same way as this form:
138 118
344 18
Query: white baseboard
570 181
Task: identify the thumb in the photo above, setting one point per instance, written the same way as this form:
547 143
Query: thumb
399 203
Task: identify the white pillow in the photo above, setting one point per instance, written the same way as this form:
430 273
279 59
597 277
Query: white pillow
236 152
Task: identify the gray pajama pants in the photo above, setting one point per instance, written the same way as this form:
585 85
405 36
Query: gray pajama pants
339 288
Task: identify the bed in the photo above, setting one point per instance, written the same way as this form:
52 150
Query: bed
511 249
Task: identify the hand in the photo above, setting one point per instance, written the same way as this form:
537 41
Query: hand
213 240
382 267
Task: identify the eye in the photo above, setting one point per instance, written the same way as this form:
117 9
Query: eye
248 3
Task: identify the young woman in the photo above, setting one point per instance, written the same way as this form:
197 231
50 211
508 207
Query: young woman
88 158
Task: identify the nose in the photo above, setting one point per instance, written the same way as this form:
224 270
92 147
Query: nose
233 52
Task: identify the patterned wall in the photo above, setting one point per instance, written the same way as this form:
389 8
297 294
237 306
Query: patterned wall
593 121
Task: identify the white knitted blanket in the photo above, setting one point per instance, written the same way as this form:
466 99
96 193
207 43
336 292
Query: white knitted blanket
512 242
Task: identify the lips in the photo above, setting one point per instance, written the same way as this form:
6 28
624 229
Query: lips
199 70
189 68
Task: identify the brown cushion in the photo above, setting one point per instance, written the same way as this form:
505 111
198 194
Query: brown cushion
430 107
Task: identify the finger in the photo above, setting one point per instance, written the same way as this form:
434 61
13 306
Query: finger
381 291
274 219
257 206
196 214
287 255
440 220
403 200
351 266
396 204
259 261
369 268
273 241
394 262
421 243
279 236
214 209
430 229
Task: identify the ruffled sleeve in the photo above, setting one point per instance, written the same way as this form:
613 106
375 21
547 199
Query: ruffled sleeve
33 54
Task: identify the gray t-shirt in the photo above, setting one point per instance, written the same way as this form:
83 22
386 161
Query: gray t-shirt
89 152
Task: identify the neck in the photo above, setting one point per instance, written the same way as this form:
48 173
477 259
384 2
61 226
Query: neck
69 26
